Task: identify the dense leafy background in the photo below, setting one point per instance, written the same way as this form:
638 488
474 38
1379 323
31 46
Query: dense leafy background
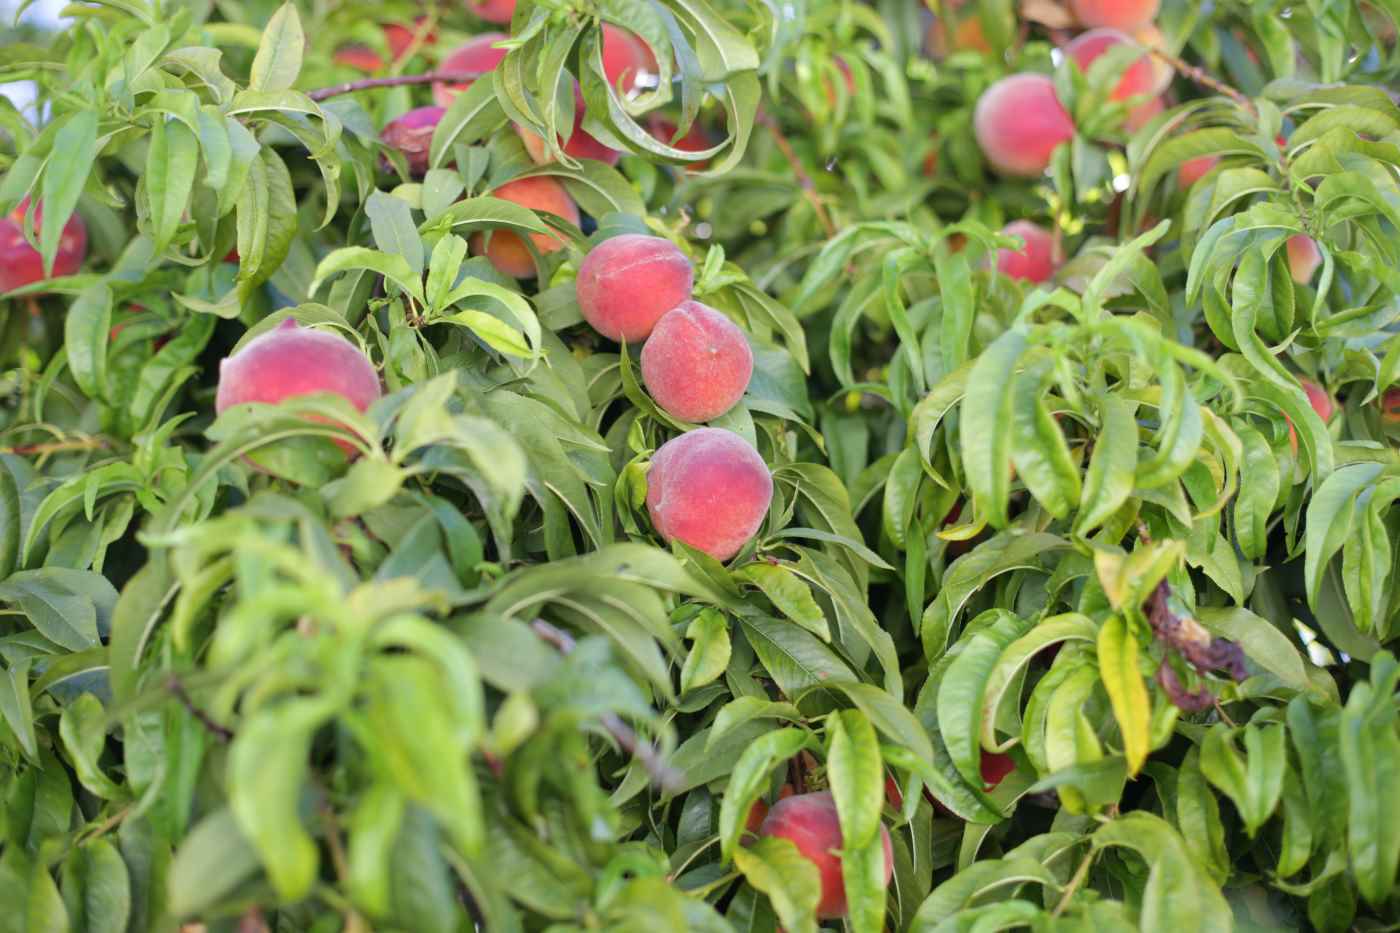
1065 523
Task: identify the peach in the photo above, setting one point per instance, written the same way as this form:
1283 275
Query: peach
1034 262
506 251
400 38
412 134
580 145
1018 123
1390 406
810 822
1150 37
493 11
1321 402
627 282
694 140
697 363
1137 79
478 55
995 767
359 57
1193 170
290 361
1119 14
968 36
757 813
21 264
708 489
627 60
1303 258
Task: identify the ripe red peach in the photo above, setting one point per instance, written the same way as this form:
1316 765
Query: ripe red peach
493 11
21 264
506 250
1150 37
627 282
627 60
580 145
1390 406
1321 402
995 767
412 134
1119 14
757 813
694 140
1018 123
1034 262
708 489
400 38
1137 78
1193 170
697 363
478 55
290 361
359 57
810 822
1303 258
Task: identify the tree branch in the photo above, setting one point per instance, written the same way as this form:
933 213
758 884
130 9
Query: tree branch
662 774
222 733
367 84
804 180
1204 78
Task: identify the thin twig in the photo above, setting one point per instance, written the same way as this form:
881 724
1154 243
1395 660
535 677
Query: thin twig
804 180
1205 79
1075 882
366 84
662 774
222 733
27 450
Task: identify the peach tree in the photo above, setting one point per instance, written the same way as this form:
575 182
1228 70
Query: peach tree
565 465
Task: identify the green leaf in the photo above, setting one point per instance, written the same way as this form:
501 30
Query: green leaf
986 426
64 179
391 222
857 776
709 650
97 888
1112 467
83 728
1118 666
267 767
211 862
747 781
775 867
1369 747
278 60
1176 896
85 337
789 594
171 161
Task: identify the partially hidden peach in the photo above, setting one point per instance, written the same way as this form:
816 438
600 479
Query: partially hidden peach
1018 123
1303 258
290 361
627 60
412 134
1119 14
1136 80
506 251
810 822
479 56
709 489
21 264
697 363
694 140
1193 170
493 11
1037 260
1321 402
580 145
400 38
627 282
